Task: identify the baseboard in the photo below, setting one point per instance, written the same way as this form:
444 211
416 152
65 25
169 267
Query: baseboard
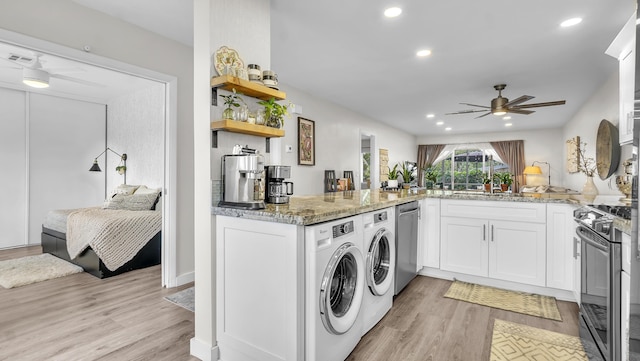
183 279
562 295
203 351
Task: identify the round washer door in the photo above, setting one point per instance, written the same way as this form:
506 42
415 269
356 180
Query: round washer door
381 259
342 289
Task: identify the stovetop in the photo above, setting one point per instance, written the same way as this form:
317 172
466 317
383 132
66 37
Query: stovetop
599 218
623 212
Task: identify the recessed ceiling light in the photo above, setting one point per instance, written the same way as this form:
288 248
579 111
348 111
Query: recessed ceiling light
430 115
507 124
440 122
571 22
424 52
447 128
392 12
506 118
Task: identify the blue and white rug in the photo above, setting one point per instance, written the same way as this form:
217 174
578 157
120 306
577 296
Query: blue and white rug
184 298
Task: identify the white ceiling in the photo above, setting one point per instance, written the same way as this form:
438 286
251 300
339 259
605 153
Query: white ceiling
348 53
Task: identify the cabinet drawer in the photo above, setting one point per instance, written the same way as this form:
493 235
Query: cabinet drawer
507 211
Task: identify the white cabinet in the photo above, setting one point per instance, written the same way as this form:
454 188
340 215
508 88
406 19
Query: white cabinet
500 240
561 246
623 49
430 233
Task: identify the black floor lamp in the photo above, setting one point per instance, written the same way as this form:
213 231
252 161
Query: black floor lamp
122 168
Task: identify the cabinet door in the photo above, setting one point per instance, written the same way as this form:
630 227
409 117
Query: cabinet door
560 246
627 85
431 232
463 246
577 271
517 252
625 299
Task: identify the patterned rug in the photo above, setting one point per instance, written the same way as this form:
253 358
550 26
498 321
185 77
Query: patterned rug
184 298
526 303
512 341
31 269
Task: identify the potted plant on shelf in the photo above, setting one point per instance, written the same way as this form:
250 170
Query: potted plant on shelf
274 113
393 177
231 100
505 180
407 175
486 180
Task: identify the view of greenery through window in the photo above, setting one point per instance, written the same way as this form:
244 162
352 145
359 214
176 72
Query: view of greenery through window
468 167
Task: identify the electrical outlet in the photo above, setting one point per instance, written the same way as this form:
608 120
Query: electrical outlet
288 148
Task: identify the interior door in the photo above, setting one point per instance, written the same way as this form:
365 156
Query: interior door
13 157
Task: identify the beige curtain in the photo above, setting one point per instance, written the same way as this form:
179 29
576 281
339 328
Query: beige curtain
427 153
512 154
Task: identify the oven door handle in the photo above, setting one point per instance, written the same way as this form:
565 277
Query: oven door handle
588 240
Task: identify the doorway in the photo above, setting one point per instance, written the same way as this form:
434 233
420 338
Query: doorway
369 174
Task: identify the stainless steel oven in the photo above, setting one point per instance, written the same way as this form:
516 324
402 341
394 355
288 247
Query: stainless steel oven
601 264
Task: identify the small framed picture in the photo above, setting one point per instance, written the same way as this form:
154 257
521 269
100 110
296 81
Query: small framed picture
573 154
306 142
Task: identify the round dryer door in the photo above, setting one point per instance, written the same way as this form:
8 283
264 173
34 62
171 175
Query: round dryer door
381 262
342 289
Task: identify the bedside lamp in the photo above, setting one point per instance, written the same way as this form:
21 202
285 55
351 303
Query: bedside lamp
123 162
533 169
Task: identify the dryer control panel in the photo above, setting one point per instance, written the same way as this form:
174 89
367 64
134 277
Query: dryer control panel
380 217
342 229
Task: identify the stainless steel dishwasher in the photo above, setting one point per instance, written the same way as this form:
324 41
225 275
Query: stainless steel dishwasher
407 215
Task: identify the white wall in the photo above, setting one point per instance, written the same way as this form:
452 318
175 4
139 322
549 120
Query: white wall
539 145
135 125
603 104
66 23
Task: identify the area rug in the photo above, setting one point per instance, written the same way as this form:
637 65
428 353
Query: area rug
512 341
526 303
32 269
184 298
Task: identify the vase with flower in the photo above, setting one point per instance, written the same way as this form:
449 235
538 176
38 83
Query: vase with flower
587 165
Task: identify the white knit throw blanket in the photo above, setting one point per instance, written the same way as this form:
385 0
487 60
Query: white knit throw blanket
115 236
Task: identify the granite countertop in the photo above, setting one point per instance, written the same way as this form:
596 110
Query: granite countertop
306 210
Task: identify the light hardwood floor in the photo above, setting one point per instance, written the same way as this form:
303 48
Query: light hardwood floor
80 317
423 325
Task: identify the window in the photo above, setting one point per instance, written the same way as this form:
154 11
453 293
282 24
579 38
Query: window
461 167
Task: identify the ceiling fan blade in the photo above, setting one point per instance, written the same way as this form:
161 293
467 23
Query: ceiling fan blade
519 100
520 111
475 105
483 115
76 80
547 104
465 112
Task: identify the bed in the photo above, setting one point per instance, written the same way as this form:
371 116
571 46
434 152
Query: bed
122 235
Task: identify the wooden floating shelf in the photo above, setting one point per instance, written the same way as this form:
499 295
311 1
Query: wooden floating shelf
251 89
247 128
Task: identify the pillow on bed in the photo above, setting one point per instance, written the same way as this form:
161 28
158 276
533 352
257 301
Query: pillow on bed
123 189
155 191
133 202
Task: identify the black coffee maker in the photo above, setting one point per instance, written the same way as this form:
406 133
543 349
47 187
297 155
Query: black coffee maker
277 190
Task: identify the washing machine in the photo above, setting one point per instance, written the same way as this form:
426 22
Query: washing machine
380 259
334 289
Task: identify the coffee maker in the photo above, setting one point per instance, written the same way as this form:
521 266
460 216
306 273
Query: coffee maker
278 191
242 181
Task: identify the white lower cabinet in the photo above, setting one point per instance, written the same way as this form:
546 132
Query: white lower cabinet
430 233
507 248
561 247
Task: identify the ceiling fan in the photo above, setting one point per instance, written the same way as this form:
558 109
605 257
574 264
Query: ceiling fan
34 75
502 105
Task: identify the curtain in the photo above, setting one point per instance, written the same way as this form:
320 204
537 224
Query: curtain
427 154
512 153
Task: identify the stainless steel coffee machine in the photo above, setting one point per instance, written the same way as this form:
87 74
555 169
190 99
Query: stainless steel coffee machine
278 191
242 181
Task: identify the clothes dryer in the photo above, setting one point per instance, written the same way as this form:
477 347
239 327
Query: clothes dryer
334 289
380 259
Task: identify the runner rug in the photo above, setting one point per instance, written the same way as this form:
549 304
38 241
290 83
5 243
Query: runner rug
512 341
526 303
31 269
184 298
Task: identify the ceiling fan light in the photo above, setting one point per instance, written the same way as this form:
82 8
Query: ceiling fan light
499 112
35 78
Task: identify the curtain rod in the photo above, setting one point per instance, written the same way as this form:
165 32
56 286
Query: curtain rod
489 141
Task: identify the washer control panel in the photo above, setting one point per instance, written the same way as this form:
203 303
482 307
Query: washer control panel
342 229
